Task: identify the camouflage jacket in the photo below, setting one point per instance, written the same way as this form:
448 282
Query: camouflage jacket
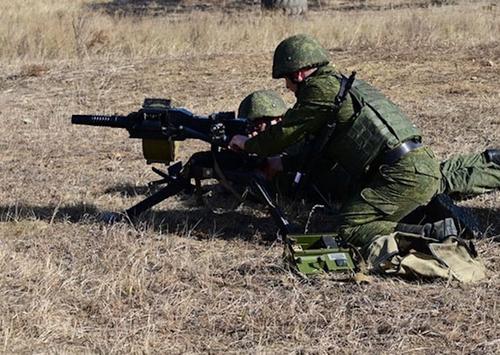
307 118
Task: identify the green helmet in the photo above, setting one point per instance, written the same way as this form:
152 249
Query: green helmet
260 104
298 52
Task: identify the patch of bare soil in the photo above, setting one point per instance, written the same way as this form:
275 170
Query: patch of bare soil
188 279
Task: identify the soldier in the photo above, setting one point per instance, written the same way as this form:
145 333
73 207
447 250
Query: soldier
263 108
266 108
464 174
373 141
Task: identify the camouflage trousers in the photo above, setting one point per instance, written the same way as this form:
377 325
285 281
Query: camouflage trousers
464 174
390 194
469 174
395 191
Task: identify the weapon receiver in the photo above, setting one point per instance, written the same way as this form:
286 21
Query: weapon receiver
159 125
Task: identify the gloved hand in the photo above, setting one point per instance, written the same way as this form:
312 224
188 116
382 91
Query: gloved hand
237 143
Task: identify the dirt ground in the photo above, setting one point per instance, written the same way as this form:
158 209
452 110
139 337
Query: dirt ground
188 279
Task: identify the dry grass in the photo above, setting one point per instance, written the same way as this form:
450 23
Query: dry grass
188 279
41 30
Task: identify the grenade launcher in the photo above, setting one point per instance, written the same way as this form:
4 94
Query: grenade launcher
159 126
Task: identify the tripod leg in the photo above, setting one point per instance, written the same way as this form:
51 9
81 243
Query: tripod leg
169 190
276 212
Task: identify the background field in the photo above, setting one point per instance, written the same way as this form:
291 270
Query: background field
195 278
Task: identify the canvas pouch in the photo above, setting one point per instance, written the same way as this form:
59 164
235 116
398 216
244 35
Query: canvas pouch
413 255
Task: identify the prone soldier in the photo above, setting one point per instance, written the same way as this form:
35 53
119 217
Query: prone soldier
263 108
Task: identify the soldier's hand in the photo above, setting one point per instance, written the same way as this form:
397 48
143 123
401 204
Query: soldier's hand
237 143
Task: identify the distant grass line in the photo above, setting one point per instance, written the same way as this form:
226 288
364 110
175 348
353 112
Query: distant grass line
48 29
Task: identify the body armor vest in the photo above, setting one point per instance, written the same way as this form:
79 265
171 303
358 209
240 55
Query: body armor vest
378 126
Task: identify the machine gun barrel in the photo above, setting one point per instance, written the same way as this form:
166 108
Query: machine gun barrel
159 126
102 120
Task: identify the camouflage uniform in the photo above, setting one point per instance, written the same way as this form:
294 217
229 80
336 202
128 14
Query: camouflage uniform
266 105
389 192
469 174
461 174
333 182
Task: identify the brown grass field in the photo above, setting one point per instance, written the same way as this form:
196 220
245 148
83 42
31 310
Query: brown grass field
202 279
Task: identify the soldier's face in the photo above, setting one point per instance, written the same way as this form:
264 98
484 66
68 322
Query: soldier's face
262 124
294 79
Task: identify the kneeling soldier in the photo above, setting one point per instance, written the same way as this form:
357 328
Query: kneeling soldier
372 140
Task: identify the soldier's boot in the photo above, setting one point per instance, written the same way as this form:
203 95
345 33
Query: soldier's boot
492 156
439 230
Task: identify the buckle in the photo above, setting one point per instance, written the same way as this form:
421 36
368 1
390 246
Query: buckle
393 155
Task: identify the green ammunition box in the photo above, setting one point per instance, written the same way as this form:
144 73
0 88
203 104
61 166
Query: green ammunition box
318 253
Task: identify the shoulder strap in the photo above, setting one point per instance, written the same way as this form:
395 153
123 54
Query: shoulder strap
320 142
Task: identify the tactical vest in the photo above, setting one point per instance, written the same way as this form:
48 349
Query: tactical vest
379 125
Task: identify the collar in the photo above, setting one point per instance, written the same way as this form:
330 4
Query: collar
323 70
